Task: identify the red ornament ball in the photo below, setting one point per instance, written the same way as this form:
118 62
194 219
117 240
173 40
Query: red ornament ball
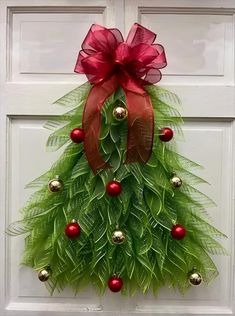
72 230
77 135
114 188
178 232
166 134
115 284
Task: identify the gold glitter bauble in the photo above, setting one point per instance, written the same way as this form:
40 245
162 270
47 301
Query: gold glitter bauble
195 279
118 237
43 275
120 113
176 182
55 185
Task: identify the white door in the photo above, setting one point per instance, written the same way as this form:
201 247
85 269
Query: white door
39 41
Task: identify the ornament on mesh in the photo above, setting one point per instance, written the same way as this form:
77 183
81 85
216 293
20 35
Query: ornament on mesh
115 284
114 188
44 274
55 185
77 135
166 134
72 230
178 231
118 237
195 277
120 113
176 181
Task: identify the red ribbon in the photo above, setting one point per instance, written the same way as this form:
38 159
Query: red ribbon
109 62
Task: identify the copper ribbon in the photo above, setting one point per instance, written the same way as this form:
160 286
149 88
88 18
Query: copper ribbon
108 63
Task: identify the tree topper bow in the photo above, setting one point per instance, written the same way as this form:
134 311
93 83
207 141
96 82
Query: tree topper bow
110 62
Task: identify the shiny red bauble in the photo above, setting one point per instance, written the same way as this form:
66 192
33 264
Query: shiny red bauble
114 188
115 284
166 134
77 135
72 230
178 232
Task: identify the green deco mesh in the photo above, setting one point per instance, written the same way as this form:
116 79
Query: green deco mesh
145 210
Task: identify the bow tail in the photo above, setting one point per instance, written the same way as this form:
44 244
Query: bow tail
91 122
140 126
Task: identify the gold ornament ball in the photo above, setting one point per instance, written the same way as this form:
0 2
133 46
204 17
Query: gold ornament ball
55 185
120 113
118 237
43 275
176 182
195 279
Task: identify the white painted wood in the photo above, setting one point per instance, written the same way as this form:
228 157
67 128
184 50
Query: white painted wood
45 44
200 46
38 45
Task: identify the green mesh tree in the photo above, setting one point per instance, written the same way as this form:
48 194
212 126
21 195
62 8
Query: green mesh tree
145 212
136 225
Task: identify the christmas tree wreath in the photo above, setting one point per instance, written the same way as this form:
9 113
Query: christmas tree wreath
119 208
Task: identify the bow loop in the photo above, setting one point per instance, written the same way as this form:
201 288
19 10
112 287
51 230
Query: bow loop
139 34
100 39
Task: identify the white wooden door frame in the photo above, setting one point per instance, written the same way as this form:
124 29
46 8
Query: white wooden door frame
208 107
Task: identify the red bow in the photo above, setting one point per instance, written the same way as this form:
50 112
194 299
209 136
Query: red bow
108 63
